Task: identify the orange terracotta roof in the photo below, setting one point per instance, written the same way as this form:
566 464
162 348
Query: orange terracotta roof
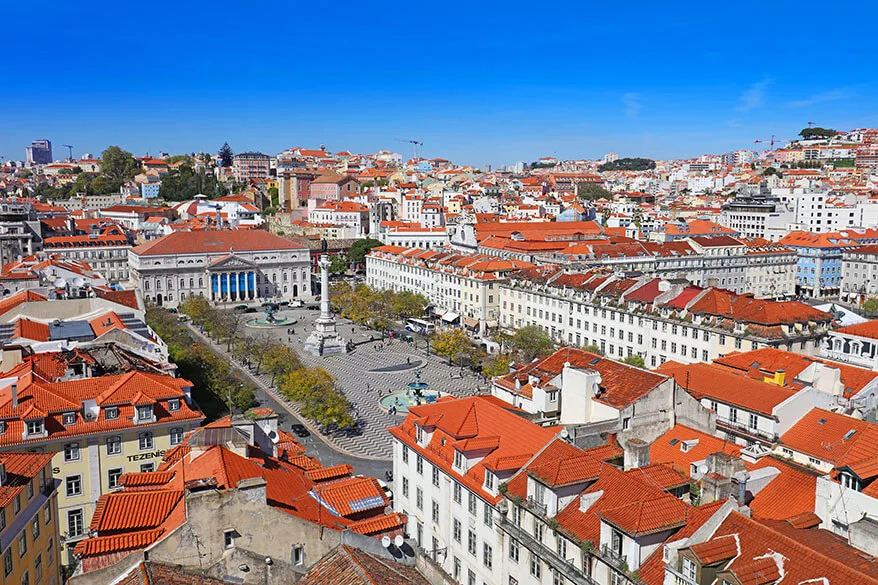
869 329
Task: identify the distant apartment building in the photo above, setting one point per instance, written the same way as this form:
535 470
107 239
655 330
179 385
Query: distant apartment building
105 249
28 519
346 213
859 274
461 287
819 271
659 320
250 165
38 153
757 216
20 232
738 157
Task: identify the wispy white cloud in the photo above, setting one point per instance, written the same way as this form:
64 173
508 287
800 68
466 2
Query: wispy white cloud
632 104
754 97
832 95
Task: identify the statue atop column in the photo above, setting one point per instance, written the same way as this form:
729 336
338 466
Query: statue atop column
325 339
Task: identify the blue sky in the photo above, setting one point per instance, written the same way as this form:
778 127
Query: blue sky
477 82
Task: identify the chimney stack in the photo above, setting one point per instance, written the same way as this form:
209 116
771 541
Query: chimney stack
14 396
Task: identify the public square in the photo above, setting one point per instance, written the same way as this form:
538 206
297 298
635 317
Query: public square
369 372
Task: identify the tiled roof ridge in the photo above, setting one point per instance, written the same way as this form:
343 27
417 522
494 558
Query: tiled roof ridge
799 546
350 551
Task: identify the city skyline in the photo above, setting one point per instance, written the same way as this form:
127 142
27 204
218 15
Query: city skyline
484 84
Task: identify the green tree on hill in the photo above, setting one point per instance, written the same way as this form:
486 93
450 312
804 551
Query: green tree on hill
817 132
592 192
628 164
225 155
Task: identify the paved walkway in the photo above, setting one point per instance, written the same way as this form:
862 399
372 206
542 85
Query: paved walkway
364 376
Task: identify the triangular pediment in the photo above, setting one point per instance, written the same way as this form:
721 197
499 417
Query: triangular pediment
231 261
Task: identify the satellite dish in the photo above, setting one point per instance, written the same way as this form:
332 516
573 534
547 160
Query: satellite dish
596 389
78 281
702 469
56 322
398 540
385 541
564 434
60 282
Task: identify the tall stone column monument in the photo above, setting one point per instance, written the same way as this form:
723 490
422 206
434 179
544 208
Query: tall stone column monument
325 339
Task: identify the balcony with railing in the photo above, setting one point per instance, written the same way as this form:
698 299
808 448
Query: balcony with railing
612 557
742 428
562 565
536 507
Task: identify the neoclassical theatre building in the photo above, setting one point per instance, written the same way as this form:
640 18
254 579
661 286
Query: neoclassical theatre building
225 266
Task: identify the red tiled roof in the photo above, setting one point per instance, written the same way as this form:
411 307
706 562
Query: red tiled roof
722 548
215 242
648 517
721 384
128 511
869 329
825 435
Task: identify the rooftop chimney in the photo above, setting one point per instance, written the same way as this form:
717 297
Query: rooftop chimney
14 396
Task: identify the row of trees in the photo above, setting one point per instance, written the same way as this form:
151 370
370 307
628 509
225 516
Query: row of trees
314 388
525 345
217 386
361 304
117 166
184 183
628 164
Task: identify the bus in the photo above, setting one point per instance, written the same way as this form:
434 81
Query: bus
419 326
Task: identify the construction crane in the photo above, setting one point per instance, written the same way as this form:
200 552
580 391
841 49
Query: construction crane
771 141
811 124
415 142
69 148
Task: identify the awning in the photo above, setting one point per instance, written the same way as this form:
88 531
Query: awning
471 323
450 317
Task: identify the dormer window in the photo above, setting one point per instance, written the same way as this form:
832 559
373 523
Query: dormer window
68 418
174 404
144 412
2 427
420 434
490 481
111 412
459 460
35 427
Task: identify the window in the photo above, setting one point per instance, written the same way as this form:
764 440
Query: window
38 568
435 512
456 570
35 427
471 542
472 503
435 476
470 577
487 555
487 514
50 552
25 579
30 490
689 569
176 435
113 476
145 440
7 562
71 452
560 546
229 538
22 543
514 550
405 487
35 528
74 485
536 569
114 445
754 421
298 554
733 415
147 467
144 412
405 454
16 505
419 465
456 530
459 460
173 404
516 515
457 492
111 412
68 418
419 498
616 542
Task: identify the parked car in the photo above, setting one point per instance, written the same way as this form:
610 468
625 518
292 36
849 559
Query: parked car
300 431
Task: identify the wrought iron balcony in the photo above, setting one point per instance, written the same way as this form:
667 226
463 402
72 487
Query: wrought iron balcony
536 506
614 558
677 578
562 565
